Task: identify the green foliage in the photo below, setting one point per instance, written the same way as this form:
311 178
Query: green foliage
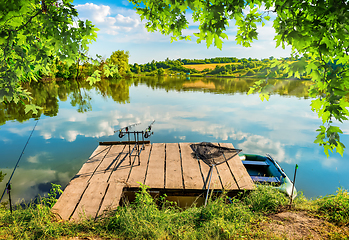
52 196
335 207
161 71
32 34
144 219
261 87
265 199
33 221
120 59
96 77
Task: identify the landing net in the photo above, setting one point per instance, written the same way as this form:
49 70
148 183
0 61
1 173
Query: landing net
213 154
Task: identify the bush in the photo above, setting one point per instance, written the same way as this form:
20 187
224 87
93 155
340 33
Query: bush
265 199
335 207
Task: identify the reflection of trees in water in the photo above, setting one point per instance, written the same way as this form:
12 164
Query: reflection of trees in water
82 100
225 85
47 95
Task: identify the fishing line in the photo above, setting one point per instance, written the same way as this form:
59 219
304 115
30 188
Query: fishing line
8 183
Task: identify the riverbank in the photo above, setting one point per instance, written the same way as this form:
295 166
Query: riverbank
263 214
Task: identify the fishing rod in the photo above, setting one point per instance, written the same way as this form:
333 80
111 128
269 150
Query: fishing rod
121 134
148 132
8 185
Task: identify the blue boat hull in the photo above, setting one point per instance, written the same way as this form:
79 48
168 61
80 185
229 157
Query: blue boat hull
265 170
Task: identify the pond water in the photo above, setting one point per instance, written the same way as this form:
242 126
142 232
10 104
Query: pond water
75 117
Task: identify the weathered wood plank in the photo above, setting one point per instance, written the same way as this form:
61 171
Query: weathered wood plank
93 162
155 174
112 197
68 201
90 201
92 198
107 165
240 173
138 171
191 171
205 170
226 178
122 169
173 167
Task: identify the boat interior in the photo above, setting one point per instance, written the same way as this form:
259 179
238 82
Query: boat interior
262 170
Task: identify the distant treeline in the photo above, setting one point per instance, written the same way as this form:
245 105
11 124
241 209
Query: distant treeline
226 66
218 60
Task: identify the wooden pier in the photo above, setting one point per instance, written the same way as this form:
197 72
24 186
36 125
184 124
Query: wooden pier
99 184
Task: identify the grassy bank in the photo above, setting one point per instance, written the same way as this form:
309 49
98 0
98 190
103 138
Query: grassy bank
247 217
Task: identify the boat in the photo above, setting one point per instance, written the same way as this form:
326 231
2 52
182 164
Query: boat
265 170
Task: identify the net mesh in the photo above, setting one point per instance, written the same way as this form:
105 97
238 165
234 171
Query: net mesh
213 154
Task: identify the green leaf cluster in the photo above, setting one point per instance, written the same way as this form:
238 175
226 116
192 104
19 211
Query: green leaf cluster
32 35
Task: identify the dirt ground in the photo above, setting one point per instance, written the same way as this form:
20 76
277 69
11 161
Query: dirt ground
300 225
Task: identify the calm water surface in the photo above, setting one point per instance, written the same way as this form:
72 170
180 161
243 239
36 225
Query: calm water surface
75 117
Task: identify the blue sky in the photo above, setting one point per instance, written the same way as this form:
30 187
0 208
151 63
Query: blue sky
122 29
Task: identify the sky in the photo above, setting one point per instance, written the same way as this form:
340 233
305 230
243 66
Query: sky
120 28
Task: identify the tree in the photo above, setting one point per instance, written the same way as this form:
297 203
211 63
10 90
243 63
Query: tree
316 29
160 71
120 58
32 34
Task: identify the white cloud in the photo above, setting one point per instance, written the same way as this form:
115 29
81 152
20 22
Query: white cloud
261 145
100 15
36 158
26 181
97 13
123 24
329 162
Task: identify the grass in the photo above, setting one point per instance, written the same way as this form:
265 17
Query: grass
223 218
335 207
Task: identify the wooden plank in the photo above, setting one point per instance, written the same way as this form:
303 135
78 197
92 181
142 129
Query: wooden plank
191 171
240 173
107 165
155 173
93 162
92 198
226 178
68 201
112 197
138 171
122 169
174 178
205 170
90 201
